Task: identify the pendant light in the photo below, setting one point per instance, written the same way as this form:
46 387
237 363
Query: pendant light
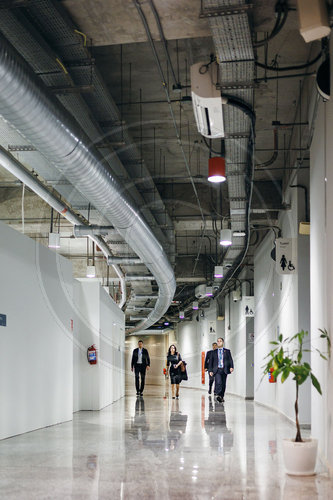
181 314
195 306
216 166
225 237
216 169
218 272
54 238
91 272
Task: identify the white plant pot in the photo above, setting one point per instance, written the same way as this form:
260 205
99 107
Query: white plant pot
300 458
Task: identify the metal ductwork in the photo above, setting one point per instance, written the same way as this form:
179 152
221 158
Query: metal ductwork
27 105
14 167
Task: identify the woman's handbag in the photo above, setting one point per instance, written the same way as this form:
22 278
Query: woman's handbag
183 371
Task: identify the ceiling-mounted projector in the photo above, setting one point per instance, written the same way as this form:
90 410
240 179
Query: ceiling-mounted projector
200 291
206 100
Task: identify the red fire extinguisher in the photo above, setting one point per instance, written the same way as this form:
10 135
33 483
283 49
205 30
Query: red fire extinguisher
271 378
92 354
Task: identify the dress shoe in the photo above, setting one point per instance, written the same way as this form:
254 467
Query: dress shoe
209 392
219 399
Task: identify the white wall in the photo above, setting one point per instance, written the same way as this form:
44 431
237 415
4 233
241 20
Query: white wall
282 306
321 179
36 369
98 320
237 329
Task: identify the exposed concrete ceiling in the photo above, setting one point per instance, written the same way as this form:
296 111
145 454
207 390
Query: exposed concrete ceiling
114 22
121 54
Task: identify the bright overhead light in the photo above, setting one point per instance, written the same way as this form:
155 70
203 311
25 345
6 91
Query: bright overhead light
166 323
216 169
54 240
181 314
209 291
195 306
239 233
91 272
218 272
225 237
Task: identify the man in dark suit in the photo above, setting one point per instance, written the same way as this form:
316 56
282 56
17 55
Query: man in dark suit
140 362
208 356
220 365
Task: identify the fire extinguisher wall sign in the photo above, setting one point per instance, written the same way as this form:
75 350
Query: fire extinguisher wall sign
92 354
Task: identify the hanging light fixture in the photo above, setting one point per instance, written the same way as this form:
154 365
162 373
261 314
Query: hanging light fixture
209 291
54 240
195 306
181 314
216 169
218 272
91 272
225 237
216 166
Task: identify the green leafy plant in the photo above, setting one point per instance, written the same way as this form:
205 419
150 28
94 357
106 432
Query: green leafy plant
286 359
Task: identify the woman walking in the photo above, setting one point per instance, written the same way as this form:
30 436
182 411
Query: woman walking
174 361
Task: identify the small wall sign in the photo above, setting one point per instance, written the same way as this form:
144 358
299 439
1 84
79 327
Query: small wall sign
3 320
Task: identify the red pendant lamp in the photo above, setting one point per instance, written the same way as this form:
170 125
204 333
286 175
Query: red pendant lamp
216 169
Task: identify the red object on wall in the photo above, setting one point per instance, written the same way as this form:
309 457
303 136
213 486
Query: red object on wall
203 367
271 378
92 355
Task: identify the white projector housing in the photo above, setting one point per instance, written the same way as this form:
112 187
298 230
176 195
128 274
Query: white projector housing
206 101
200 291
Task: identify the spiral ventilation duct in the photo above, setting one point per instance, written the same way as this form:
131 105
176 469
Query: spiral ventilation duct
26 104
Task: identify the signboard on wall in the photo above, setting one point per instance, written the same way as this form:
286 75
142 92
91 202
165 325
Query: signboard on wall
248 306
212 327
286 255
3 320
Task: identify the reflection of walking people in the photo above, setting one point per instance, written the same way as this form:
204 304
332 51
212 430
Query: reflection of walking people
220 437
177 426
220 365
283 262
140 362
173 368
208 356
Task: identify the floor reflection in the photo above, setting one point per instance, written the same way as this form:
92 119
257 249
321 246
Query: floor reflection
220 437
159 448
177 425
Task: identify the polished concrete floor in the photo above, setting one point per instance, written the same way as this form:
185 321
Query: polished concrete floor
159 448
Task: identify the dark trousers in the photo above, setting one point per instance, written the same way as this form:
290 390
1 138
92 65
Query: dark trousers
211 382
220 382
140 370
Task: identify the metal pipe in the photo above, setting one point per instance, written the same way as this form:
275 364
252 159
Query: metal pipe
14 167
27 105
92 230
126 261
140 278
144 297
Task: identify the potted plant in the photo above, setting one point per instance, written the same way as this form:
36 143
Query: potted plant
286 358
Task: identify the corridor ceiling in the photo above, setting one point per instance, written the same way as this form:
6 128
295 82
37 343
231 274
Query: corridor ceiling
135 106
